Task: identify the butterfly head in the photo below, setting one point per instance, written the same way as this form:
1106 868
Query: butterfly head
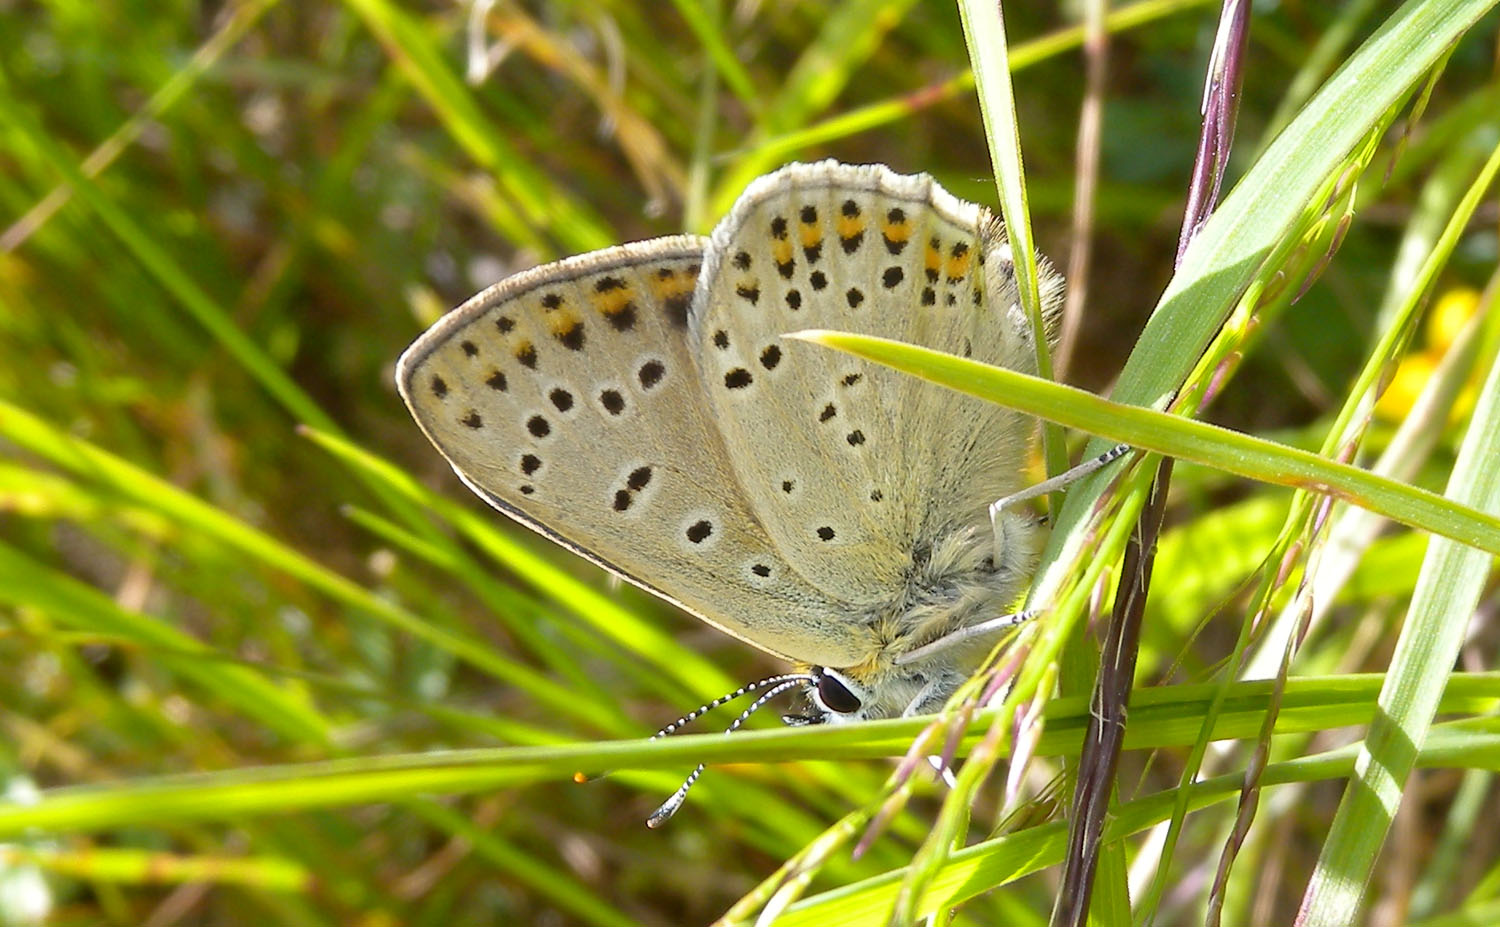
832 698
868 693
886 687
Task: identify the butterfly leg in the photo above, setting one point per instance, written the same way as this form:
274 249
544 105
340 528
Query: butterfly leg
930 700
936 762
999 516
933 695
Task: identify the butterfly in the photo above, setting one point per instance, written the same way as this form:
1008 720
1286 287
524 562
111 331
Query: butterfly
642 407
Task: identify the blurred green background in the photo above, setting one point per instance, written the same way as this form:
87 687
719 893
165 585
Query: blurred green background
221 221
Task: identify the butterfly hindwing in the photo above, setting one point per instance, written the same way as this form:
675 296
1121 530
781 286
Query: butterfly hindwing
851 468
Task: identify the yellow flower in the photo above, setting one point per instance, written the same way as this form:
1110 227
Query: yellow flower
1447 318
1415 369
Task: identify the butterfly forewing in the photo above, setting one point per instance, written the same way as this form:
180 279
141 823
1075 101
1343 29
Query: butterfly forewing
567 396
852 468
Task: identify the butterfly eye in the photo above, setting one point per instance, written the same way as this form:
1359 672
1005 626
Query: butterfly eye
836 696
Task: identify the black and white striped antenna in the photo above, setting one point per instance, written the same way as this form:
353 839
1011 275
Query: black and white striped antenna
774 686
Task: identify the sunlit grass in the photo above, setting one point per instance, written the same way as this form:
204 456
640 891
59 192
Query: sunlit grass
256 670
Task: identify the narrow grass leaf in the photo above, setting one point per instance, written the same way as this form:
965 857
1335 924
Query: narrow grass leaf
981 867
1448 589
190 513
1168 716
776 149
543 203
1269 202
1184 439
706 27
70 603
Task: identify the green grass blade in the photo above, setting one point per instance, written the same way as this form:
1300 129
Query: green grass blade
982 867
1258 216
132 866
707 28
240 20
1163 717
193 514
984 31
542 203
71 604
1198 442
171 275
1452 579
567 892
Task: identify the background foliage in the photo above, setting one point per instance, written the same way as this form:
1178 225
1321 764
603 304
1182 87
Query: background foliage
221 222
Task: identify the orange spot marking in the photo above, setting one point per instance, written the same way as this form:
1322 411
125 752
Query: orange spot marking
895 231
562 321
934 260
811 234
781 250
678 284
958 265
850 226
611 302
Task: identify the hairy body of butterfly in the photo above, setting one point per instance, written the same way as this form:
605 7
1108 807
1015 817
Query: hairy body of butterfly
641 407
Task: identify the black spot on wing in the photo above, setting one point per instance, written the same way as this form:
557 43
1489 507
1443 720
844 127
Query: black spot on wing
650 373
639 478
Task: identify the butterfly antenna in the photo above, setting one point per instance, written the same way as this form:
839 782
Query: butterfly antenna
745 689
777 684
702 710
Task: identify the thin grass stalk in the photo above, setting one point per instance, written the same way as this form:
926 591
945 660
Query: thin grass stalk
1096 783
1448 589
240 19
1085 180
874 115
989 56
1105 738
1403 320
